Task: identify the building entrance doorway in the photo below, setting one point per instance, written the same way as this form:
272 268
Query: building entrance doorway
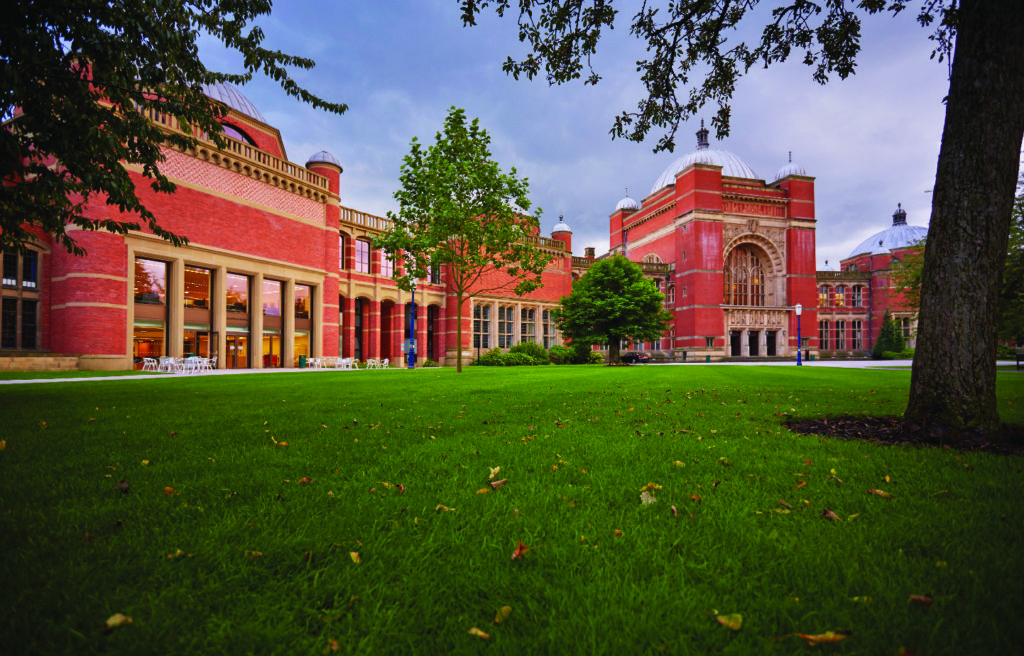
238 352
197 342
770 345
753 342
735 349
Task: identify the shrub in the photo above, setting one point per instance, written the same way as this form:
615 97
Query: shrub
534 350
428 363
517 360
580 353
559 354
595 357
492 358
890 339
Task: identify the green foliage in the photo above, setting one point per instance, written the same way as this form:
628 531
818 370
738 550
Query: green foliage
459 211
906 276
491 358
611 303
890 339
518 360
496 358
560 354
1011 297
85 75
595 357
534 350
688 67
428 363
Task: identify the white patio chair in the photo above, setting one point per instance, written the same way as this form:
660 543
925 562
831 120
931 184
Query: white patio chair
383 364
166 364
149 364
348 363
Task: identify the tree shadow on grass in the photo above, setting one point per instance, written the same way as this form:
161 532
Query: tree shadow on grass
889 430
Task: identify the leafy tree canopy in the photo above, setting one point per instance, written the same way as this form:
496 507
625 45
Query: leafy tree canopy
458 211
890 338
77 81
1011 300
693 58
611 303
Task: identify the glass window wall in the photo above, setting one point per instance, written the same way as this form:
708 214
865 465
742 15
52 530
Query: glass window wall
302 301
197 287
150 282
271 298
238 293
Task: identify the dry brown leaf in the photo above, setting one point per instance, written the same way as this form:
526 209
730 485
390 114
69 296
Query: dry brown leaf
356 558
502 614
650 486
921 599
496 484
828 636
881 493
521 549
784 503
675 513
478 633
618 533
332 645
253 554
168 491
483 490
305 480
282 444
494 472
733 621
443 508
116 620
828 514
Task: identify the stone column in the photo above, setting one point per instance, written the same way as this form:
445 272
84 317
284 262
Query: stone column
219 308
745 343
287 323
256 322
348 328
397 334
371 330
176 309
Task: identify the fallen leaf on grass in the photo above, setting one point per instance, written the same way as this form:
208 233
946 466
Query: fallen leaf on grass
356 558
801 483
696 498
828 636
483 490
401 488
116 620
478 633
520 550
502 614
168 491
145 462
675 513
828 514
332 645
650 486
496 484
784 503
733 621
861 600
494 472
921 599
305 480
253 554
881 493
679 463
3 444
442 508
618 533
283 445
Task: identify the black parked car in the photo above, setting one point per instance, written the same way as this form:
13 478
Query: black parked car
635 357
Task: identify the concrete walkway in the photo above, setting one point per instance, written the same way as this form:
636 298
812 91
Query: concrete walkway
845 364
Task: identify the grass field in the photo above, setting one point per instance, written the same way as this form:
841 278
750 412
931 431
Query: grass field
345 512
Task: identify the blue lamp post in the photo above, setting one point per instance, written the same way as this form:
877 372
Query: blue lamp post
412 330
799 342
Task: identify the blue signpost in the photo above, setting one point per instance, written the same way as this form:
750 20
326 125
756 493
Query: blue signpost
412 331
799 342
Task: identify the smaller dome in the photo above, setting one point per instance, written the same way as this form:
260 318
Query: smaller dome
233 98
732 165
790 169
898 235
627 203
324 156
562 226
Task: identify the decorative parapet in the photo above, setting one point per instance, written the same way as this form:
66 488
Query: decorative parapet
544 242
832 276
252 162
364 220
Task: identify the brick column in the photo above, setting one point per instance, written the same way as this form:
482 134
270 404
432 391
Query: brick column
421 333
397 333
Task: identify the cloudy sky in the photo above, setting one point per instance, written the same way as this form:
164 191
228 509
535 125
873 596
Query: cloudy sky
871 141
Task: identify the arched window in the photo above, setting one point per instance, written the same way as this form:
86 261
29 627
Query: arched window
744 278
652 258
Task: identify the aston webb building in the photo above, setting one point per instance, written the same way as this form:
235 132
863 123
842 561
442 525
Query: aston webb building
277 267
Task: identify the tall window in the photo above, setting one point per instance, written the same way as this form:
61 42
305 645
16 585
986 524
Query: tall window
435 274
10 268
238 292
840 335
150 282
506 324
545 327
362 256
905 327
656 345
528 325
30 270
197 287
855 298
856 336
302 301
9 324
481 326
670 298
744 278
823 296
840 296
271 297
341 252
823 334
387 265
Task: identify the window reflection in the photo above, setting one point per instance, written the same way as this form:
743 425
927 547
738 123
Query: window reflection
238 292
302 301
271 298
197 287
150 281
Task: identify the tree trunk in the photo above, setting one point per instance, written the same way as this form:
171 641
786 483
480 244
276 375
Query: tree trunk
953 384
613 351
458 334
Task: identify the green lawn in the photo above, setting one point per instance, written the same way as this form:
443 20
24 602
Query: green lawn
219 546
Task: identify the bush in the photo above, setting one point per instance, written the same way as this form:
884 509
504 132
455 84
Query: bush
492 358
517 360
1005 352
890 339
595 357
581 353
534 350
559 354
428 363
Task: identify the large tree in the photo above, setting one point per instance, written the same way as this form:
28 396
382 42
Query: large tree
458 211
79 81
610 304
694 59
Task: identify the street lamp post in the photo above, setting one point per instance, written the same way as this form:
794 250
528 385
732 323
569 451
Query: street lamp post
412 330
799 342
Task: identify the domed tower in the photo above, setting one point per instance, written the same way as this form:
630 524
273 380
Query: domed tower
623 209
563 233
898 235
328 166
